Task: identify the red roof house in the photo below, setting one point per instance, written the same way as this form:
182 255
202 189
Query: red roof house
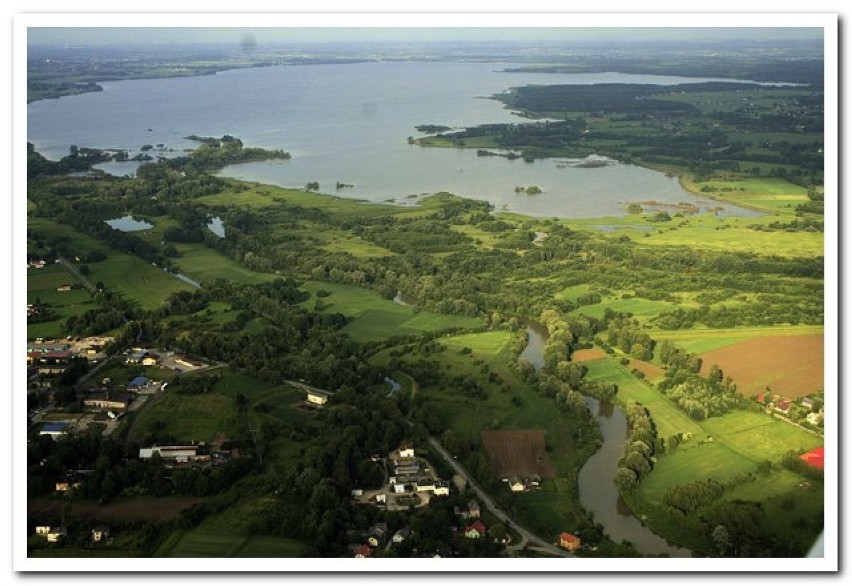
363 551
815 457
475 531
569 541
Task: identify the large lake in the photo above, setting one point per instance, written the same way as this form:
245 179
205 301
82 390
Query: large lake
350 123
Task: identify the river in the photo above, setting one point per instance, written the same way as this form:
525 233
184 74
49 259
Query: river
598 491
350 123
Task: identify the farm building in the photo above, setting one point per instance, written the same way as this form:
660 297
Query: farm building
150 359
783 406
406 451
399 488
381 498
807 402
377 534
42 530
815 418
136 356
815 457
442 488
317 397
107 400
475 530
137 383
54 430
56 534
363 551
425 484
176 453
569 541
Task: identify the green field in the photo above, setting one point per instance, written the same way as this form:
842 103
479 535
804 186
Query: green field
41 290
376 318
639 307
198 544
200 262
668 418
136 279
699 341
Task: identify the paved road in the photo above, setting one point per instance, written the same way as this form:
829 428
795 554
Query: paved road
527 537
86 282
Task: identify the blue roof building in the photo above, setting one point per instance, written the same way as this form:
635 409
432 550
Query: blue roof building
54 429
138 382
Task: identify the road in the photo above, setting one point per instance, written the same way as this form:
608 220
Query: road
86 283
527 537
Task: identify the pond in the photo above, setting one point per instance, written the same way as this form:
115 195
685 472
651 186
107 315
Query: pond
129 224
217 226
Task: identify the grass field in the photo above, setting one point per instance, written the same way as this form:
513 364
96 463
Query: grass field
200 262
790 365
136 279
669 419
639 307
759 436
198 544
41 290
376 318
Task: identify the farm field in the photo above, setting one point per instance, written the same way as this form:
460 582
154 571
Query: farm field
699 341
791 366
41 289
376 318
199 544
587 355
157 510
518 452
639 307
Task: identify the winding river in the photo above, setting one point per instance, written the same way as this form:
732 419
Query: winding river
598 492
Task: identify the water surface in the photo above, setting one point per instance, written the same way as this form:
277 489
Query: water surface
129 224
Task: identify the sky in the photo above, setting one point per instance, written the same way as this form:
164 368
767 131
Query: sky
161 35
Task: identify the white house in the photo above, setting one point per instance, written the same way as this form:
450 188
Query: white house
317 397
399 488
442 488
42 530
515 485
406 451
381 498
401 535
56 534
425 484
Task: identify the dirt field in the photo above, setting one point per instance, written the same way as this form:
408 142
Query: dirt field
651 371
791 365
157 510
587 355
518 452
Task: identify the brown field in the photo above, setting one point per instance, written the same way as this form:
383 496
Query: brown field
651 371
791 365
517 452
587 355
157 510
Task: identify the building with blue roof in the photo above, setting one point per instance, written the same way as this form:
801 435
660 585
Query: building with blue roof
137 383
54 429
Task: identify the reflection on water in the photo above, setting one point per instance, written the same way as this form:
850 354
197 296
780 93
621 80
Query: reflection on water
128 224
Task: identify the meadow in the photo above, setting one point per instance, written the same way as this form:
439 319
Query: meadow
375 318
41 290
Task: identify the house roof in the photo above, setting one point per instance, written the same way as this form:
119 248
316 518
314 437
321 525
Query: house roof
815 457
479 526
363 550
138 381
569 537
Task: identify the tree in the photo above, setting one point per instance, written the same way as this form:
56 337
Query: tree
84 269
721 539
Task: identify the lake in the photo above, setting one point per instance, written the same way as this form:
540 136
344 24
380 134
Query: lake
128 224
350 123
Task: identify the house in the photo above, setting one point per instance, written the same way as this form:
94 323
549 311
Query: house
807 402
406 451
442 488
42 530
783 406
55 429
56 534
425 484
815 418
363 551
100 533
515 485
399 488
815 458
68 482
137 383
317 397
150 359
357 492
377 534
475 531
401 535
381 498
569 541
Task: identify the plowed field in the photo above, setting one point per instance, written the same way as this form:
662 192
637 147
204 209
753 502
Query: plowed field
517 452
791 365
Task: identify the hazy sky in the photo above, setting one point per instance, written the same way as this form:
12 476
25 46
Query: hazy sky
103 36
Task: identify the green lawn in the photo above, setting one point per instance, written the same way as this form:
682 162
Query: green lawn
186 417
639 307
41 290
199 544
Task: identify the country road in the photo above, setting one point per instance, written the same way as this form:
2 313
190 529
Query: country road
86 283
